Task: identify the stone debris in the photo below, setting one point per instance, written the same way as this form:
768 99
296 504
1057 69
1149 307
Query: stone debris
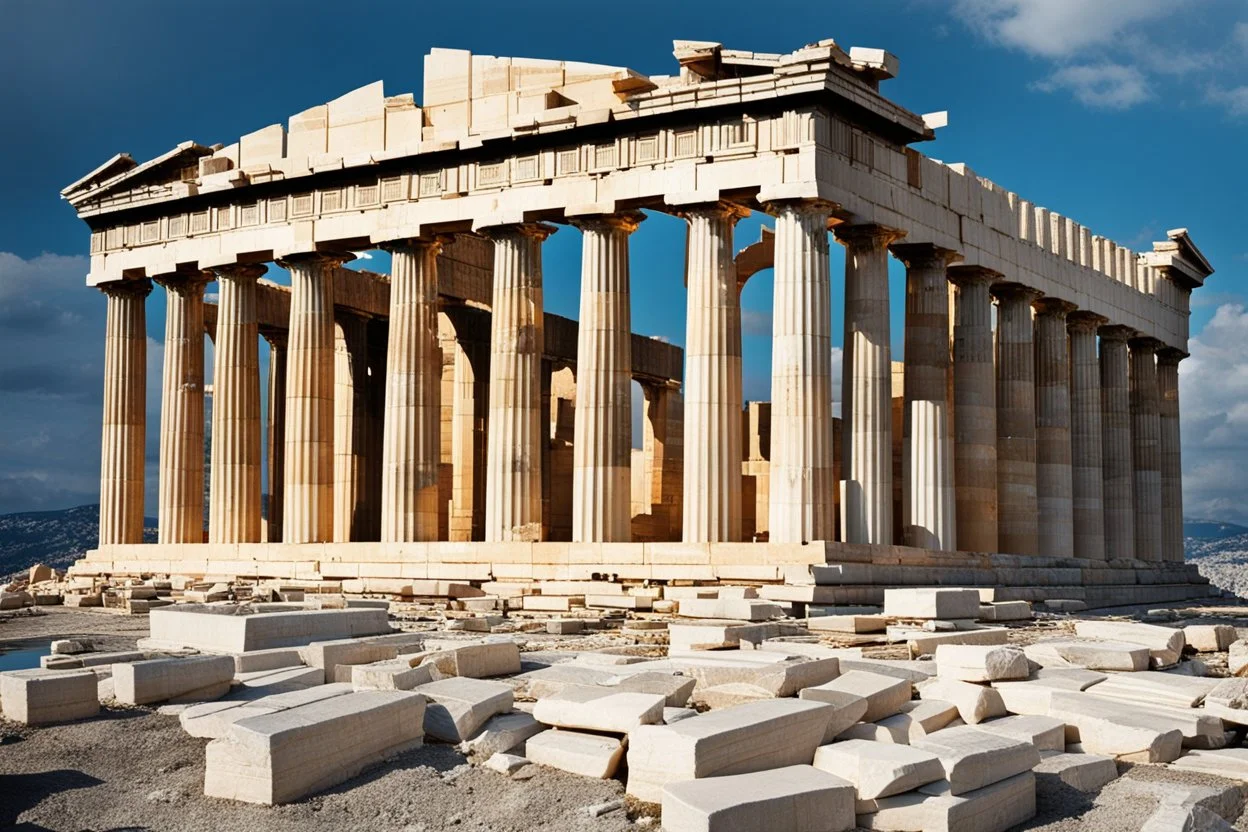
915 720
337 657
1091 655
502 733
460 707
1150 687
1165 644
506 763
974 758
798 798
717 635
884 694
1067 678
221 629
213 719
780 674
272 659
934 808
1237 657
1005 611
44 697
1084 772
1044 732
924 643
729 609
975 703
879 769
606 712
1104 727
192 679
261 682
476 661
395 674
973 663
859 624
931 603
589 755
1209 638
1224 762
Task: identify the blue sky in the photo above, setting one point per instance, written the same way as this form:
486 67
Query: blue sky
1130 117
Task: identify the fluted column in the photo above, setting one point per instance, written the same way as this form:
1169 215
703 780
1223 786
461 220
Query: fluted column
352 429
308 511
1054 484
713 400
1087 488
125 412
602 443
1146 448
867 379
1117 467
412 441
513 486
181 508
801 479
277 432
1017 530
975 405
929 509
1171 455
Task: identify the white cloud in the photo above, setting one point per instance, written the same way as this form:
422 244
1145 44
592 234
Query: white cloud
1103 86
1239 34
1057 28
1234 100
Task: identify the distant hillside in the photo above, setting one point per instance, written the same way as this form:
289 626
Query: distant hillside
56 538
1221 553
1211 529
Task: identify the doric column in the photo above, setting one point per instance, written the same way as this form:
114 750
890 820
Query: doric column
181 508
412 443
975 405
1017 532
664 452
1087 489
929 508
1171 455
513 500
867 380
1118 472
234 488
308 511
276 431
125 412
351 427
1054 488
1146 448
603 426
712 489
801 482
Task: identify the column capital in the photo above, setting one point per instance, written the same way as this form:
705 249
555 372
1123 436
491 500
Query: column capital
1017 292
417 244
626 221
730 211
1144 343
241 271
334 258
973 275
1085 321
867 236
1170 356
536 230
1053 306
924 255
1116 332
808 205
276 338
127 288
184 283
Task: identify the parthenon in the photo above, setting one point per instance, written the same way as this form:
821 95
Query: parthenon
437 423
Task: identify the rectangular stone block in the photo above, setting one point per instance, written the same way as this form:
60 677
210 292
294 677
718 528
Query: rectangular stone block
1104 727
979 663
1091 655
337 656
776 673
729 609
192 679
1044 732
1231 763
791 799
879 769
914 721
924 643
502 734
43 697
460 706
752 737
477 661
858 624
588 755
254 660
280 757
213 719
219 629
1151 687
1209 638
919 602
602 711
911 671
973 758
994 808
397 674
1084 772
884 694
975 703
264 682
717 636
1165 644
1005 611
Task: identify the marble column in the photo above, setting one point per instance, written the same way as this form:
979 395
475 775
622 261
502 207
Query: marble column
975 403
1087 488
867 379
308 508
1118 472
1146 448
513 501
1171 455
412 438
181 506
234 481
801 482
713 399
929 507
125 412
602 443
276 431
1017 530
351 427
1054 484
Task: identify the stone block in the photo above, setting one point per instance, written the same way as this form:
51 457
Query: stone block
884 694
213 719
931 603
1209 638
933 808
1083 772
264 682
792 799
719 697
975 703
1228 700
729 609
1067 678
914 721
717 636
1237 657
978 663
1165 644
612 713
502 734
753 737
280 757
973 758
588 755
220 629
1151 687
192 679
43 697
477 661
70 647
338 656
564 626
675 690
879 769
91 659
775 672
1104 727
1044 732
255 660
397 674
506 763
911 671
1005 611
460 707
1231 763
923 643
858 624
1091 655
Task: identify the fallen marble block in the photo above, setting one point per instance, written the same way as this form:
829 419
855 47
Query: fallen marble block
729 609
879 769
924 643
931 603
1005 611
717 635
975 703
858 624
973 758
1237 657
82 660
552 681
213 719
1044 732
775 672
477 661
1209 638
191 679
1228 700
506 763
980 663
1151 687
221 629
1103 727
337 657
282 756
70 647
459 706
719 697
884 694
396 674
280 680
502 734
753 737
256 660
1231 763
1092 655
611 713
1067 678
913 721
792 799
1165 644
588 755
933 808
1083 772
912 671
675 690
44 697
